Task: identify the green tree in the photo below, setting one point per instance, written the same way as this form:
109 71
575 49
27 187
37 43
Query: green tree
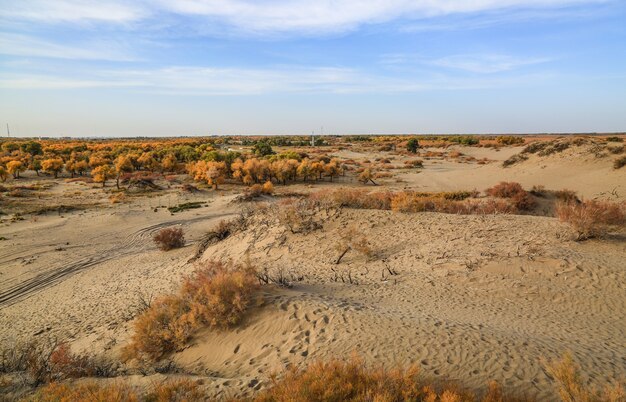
413 145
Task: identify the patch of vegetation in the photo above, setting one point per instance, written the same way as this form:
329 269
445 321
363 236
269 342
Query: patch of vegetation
593 218
169 238
185 206
517 158
619 163
216 296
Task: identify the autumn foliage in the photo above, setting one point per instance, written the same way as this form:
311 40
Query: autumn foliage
216 296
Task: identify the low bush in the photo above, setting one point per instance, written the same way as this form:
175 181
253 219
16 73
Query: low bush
619 163
522 199
592 218
514 159
339 380
216 296
414 163
52 360
614 139
85 392
169 238
509 140
91 391
572 389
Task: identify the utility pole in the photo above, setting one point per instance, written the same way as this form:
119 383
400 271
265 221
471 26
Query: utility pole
8 131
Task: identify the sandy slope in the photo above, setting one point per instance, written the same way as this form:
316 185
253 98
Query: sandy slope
474 298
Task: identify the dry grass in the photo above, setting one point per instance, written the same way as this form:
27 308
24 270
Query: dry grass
619 162
592 218
85 392
169 238
51 360
339 380
91 391
216 296
572 389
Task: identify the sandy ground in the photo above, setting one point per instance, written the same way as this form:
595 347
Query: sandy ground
471 298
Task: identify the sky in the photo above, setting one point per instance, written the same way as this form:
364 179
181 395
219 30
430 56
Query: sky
88 68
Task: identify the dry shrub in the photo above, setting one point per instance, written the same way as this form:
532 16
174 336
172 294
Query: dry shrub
616 150
414 163
169 238
566 195
351 380
505 190
216 296
298 215
571 387
175 391
354 198
515 159
619 162
521 198
91 391
85 392
592 218
51 360
407 201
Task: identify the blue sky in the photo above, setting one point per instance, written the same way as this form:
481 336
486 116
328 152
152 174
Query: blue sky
199 67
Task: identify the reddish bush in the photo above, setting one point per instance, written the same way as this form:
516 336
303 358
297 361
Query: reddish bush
216 296
505 190
592 218
169 238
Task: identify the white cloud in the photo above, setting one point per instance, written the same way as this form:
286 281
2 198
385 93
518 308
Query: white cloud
486 63
237 81
24 45
76 11
271 16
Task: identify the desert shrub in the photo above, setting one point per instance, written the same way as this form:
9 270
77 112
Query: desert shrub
614 139
616 150
619 162
572 389
169 238
52 360
555 148
117 198
566 195
216 295
592 218
505 190
354 198
414 163
417 202
351 380
514 159
175 391
254 191
535 147
298 215
522 199
509 140
85 392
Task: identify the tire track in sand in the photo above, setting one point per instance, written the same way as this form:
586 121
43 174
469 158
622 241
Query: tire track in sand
134 243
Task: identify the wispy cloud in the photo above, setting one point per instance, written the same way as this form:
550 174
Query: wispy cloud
486 63
237 81
75 11
24 45
262 17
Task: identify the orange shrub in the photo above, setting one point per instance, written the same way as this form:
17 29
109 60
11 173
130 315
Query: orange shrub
572 389
339 380
216 295
169 238
505 190
592 218
521 198
85 392
175 391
